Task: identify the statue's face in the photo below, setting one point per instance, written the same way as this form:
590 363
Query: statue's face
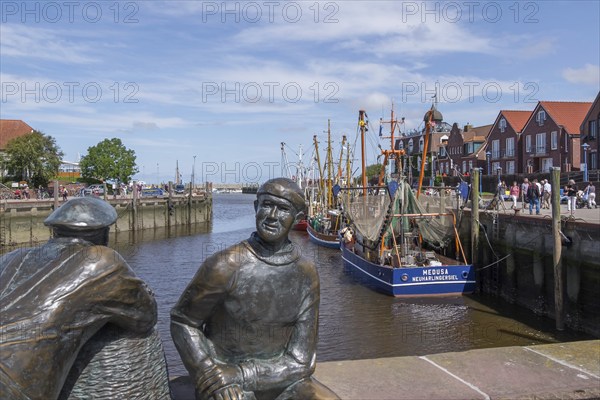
274 217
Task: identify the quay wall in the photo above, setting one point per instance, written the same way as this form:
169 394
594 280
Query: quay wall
516 263
22 222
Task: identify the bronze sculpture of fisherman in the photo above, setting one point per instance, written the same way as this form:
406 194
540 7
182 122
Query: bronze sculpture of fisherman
55 297
246 325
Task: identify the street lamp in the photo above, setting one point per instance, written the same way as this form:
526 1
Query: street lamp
586 148
488 157
432 169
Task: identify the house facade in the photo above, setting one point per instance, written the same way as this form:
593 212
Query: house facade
589 129
474 148
551 136
503 142
412 143
453 149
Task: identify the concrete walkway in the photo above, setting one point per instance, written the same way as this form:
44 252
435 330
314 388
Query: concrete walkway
585 215
553 371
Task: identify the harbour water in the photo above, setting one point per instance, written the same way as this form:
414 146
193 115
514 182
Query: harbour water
355 322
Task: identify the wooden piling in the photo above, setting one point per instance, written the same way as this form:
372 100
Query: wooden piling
475 215
55 195
557 251
134 204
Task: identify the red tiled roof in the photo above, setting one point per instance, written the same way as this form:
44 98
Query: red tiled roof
10 129
566 113
516 118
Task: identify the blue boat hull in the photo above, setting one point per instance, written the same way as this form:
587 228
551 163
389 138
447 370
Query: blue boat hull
333 242
411 281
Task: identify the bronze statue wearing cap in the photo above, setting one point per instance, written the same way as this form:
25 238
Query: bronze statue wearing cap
55 297
246 325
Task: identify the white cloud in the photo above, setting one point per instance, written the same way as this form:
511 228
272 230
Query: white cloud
26 41
589 74
379 28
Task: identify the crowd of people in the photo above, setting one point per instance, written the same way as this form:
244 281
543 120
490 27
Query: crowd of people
536 195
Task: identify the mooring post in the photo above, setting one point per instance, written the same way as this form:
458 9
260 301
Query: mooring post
557 251
55 195
442 199
134 204
169 203
475 216
190 204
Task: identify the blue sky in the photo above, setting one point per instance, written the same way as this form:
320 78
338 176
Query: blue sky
228 82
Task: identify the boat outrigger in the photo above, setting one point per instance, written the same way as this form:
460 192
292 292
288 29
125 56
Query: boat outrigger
397 246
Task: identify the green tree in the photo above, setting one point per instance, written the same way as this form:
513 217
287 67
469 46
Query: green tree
33 157
372 174
109 160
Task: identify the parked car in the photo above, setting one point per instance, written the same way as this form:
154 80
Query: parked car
95 190
179 189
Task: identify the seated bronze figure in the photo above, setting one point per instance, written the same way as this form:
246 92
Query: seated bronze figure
56 297
246 325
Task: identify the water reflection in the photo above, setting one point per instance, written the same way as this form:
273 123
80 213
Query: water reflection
355 322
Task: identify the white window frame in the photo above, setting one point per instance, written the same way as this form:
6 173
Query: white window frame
510 167
540 143
546 164
528 144
496 148
503 125
510 147
541 117
554 140
593 134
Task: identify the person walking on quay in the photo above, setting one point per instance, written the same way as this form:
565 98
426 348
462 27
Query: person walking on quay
590 190
571 191
514 193
533 195
524 187
546 194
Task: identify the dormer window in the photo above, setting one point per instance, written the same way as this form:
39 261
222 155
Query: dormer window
410 146
502 125
541 117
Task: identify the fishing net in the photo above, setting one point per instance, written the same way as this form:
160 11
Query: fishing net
368 213
438 231
373 213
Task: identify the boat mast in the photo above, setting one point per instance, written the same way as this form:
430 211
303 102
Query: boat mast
329 167
300 170
340 169
361 124
321 189
431 118
392 153
285 167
